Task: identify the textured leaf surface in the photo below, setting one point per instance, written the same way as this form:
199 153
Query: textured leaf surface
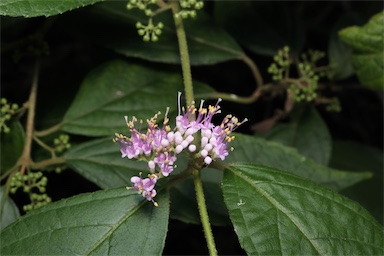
9 212
256 26
108 222
12 144
208 43
119 89
306 132
258 150
100 162
367 43
275 212
33 8
340 54
184 205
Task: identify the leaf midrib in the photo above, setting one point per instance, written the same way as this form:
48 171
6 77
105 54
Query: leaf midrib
279 207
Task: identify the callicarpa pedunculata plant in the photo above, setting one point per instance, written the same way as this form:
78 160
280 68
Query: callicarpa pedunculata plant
263 174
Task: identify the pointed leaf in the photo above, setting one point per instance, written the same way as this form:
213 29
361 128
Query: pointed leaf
100 162
108 222
9 212
208 43
33 8
275 212
184 205
306 132
367 43
119 89
258 150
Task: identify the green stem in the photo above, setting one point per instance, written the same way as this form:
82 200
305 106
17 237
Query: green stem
184 55
203 212
25 158
48 131
48 162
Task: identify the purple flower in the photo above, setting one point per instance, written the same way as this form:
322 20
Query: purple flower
160 146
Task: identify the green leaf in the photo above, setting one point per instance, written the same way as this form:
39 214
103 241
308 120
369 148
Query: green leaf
34 8
256 26
12 145
208 43
356 157
119 89
367 43
306 132
184 205
107 222
275 212
340 54
9 212
100 162
258 150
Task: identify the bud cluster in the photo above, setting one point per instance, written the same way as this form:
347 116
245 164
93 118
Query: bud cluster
141 5
62 143
189 8
7 110
149 32
196 135
31 183
281 64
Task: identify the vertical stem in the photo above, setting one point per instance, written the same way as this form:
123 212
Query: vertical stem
184 55
26 156
203 212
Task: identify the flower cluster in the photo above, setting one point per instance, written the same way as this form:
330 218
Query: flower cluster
160 146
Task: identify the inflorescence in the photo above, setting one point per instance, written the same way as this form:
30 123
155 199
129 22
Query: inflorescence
160 146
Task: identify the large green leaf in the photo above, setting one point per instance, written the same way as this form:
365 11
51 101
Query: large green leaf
119 89
367 43
12 145
354 156
258 150
184 204
100 162
261 26
33 8
307 132
340 54
9 212
208 43
275 212
107 222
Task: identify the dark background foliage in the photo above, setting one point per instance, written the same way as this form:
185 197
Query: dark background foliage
68 57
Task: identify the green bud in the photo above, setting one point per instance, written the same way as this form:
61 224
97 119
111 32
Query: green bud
141 6
7 117
286 49
184 15
26 189
146 38
42 189
139 25
6 129
160 25
13 190
141 32
3 101
129 6
154 38
15 106
148 12
192 13
157 31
